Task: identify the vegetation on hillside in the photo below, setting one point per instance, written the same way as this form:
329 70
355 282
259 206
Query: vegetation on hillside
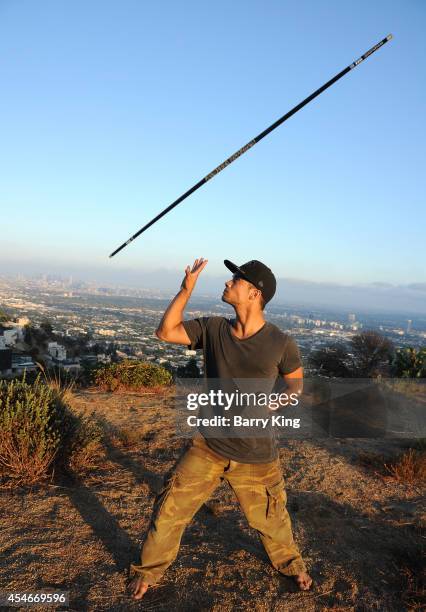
39 433
410 363
131 374
369 355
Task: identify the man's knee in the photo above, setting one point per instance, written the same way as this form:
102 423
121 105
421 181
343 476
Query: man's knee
179 500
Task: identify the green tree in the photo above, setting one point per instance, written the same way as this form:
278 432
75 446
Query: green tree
332 360
46 326
35 337
4 316
368 355
372 354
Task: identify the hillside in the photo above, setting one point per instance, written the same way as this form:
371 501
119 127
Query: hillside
359 531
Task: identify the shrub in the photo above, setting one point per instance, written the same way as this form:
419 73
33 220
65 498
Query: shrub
410 363
131 374
38 432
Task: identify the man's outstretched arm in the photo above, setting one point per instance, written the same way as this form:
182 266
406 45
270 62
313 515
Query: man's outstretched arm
170 328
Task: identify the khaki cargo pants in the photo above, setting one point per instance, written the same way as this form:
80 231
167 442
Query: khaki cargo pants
259 489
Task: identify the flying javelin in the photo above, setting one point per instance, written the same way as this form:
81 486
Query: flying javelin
254 141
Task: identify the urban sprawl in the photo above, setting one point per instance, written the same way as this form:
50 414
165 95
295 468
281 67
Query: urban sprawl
86 322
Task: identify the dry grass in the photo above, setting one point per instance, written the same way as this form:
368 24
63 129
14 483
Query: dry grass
409 467
128 437
157 391
413 592
122 389
407 386
87 458
63 388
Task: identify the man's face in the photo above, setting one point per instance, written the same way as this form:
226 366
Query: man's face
237 291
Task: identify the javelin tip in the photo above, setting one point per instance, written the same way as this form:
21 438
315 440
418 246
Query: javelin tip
389 37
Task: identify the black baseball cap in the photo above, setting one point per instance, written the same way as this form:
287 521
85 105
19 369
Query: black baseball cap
258 274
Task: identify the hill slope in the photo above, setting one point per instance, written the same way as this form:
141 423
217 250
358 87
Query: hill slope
359 533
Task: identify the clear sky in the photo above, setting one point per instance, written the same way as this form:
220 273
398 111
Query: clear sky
111 110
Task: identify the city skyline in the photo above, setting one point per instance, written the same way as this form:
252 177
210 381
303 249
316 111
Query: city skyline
409 299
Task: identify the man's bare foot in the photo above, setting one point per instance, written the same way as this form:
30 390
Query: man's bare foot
303 581
138 587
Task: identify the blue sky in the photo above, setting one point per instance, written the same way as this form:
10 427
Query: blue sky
110 110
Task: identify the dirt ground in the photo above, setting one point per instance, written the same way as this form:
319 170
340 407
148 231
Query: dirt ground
359 533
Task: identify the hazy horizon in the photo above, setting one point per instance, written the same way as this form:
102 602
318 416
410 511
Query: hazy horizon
362 297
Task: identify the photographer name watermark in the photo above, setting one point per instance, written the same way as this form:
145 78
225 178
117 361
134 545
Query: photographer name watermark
239 421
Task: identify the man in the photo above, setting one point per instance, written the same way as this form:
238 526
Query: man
244 347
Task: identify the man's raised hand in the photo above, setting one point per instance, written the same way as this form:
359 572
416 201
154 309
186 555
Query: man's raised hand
191 275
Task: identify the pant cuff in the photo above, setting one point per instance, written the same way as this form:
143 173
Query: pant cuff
136 570
294 568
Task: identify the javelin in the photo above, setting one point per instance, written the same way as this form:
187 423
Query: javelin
255 141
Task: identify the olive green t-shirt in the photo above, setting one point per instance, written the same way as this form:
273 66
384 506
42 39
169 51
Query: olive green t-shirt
267 354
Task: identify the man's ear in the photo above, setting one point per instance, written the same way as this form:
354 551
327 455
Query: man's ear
258 292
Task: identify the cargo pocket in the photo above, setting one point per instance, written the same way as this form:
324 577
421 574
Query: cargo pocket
276 499
162 496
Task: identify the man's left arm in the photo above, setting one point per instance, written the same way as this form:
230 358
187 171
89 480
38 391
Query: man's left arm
290 371
293 389
294 381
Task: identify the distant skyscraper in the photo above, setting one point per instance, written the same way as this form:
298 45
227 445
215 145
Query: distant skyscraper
351 318
409 323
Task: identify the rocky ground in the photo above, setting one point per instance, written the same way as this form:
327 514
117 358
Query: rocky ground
359 531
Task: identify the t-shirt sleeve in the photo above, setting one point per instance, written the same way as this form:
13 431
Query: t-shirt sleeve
290 359
195 328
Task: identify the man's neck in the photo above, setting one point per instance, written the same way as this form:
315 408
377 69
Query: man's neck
246 323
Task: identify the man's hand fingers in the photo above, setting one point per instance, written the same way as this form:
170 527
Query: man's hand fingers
199 264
